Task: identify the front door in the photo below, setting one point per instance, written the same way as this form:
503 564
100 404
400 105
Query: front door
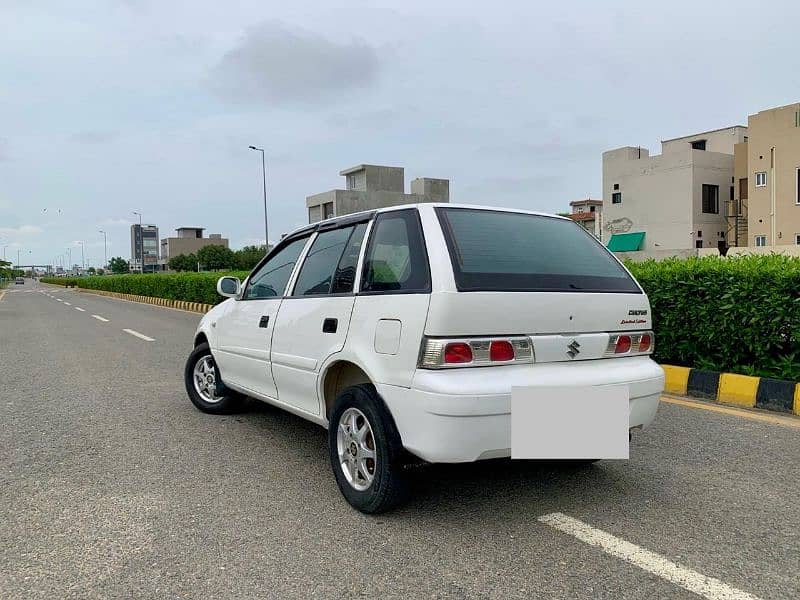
245 330
313 320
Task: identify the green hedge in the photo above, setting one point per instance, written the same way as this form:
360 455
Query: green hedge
739 315
192 287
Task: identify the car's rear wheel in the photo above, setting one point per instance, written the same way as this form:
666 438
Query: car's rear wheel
365 450
204 385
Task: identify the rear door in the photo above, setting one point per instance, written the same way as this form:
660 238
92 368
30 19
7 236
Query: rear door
314 318
525 274
245 330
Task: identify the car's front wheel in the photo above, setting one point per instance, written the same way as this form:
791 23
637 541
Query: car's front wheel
204 385
365 450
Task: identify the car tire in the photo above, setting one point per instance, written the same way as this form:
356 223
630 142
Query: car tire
366 451
201 378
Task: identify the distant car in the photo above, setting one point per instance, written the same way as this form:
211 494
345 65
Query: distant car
407 329
19 281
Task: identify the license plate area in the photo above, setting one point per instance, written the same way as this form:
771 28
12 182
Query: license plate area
570 422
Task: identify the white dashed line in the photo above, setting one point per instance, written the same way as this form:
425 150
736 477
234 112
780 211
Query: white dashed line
99 318
139 335
67 304
695 582
79 308
59 299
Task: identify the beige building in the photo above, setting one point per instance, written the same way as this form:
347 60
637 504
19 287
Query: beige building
768 179
674 201
188 241
374 186
588 214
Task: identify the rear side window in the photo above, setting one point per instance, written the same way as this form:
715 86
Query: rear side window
396 260
505 251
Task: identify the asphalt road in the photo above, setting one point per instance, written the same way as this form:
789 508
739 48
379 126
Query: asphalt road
113 486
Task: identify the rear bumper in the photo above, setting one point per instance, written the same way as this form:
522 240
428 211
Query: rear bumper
463 415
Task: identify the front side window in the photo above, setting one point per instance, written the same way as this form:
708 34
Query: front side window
761 179
270 279
761 240
396 259
317 271
507 251
710 199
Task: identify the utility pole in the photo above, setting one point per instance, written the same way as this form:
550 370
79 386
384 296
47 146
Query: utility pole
105 249
264 177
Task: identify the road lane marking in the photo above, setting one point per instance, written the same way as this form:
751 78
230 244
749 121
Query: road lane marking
139 335
775 419
697 583
80 309
59 299
67 304
99 318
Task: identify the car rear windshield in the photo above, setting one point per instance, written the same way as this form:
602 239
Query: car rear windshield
507 251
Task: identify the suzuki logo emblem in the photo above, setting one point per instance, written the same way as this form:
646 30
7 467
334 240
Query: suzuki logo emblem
573 349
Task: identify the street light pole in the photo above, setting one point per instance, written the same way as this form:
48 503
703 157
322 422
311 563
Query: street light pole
105 249
264 176
141 243
83 259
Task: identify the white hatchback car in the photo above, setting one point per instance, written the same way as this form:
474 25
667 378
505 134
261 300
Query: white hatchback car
403 331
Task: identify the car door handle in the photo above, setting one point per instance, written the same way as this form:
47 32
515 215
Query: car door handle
263 321
330 325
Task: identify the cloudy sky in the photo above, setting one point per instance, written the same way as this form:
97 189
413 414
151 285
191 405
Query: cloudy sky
109 107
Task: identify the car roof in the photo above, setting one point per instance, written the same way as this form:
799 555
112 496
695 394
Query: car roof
367 214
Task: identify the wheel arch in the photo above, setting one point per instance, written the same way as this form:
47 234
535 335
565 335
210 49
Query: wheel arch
338 374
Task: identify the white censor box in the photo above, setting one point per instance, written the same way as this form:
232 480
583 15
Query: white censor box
569 422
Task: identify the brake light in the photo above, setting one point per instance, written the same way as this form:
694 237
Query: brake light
501 351
479 352
645 342
457 353
630 344
623 345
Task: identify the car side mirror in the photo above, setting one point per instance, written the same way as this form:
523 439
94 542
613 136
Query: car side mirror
228 286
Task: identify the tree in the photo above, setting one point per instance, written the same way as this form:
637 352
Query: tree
248 257
91 270
183 262
118 265
216 257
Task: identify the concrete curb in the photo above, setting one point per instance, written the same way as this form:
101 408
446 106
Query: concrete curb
197 307
734 389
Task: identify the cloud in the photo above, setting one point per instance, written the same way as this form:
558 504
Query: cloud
4 155
273 64
21 230
94 137
117 222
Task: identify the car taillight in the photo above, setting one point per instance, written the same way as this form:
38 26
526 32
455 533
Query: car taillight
501 351
630 344
478 352
457 353
623 345
644 342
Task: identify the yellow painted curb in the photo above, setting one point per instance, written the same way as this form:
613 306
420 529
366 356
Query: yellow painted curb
739 390
676 379
797 399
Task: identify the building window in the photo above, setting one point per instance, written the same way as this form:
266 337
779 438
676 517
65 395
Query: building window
731 194
797 239
797 186
616 198
327 210
699 145
710 199
591 208
699 233
616 186
761 179
761 240
698 244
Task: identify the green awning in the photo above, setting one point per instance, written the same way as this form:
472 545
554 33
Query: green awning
626 242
